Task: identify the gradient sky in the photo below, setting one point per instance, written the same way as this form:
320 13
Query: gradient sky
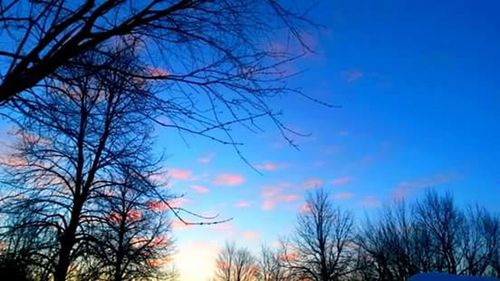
418 85
419 88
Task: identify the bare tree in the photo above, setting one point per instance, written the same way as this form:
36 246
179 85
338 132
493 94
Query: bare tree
443 221
432 234
132 241
392 246
74 141
271 265
322 245
199 42
236 264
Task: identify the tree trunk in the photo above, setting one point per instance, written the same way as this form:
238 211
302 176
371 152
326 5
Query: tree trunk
67 243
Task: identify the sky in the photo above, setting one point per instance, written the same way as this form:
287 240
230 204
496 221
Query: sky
417 88
417 83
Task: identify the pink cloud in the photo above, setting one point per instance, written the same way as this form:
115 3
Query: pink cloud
305 208
343 196
179 202
289 197
13 161
405 188
159 178
229 179
270 191
159 206
313 182
331 149
267 166
268 204
180 174
206 159
351 75
274 195
242 204
342 180
179 225
157 71
250 235
370 202
200 188
224 228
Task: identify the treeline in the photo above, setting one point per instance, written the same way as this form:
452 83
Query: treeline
430 234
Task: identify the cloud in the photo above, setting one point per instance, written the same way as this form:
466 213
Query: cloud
341 180
250 235
225 228
157 71
180 174
351 75
343 196
200 189
179 202
274 195
313 182
242 204
343 133
267 166
159 206
179 225
206 159
13 161
229 179
370 202
305 208
331 149
405 188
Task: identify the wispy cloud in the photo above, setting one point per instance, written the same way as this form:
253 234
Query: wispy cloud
225 228
405 188
207 158
13 161
305 208
351 75
200 188
179 225
229 179
331 149
267 166
342 180
250 235
180 202
370 202
242 204
313 182
180 174
157 71
274 195
344 133
343 196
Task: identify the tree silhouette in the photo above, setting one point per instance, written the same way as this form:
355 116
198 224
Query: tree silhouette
198 43
322 245
271 265
74 141
432 234
132 240
236 264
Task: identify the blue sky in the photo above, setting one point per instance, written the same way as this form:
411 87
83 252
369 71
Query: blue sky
418 85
